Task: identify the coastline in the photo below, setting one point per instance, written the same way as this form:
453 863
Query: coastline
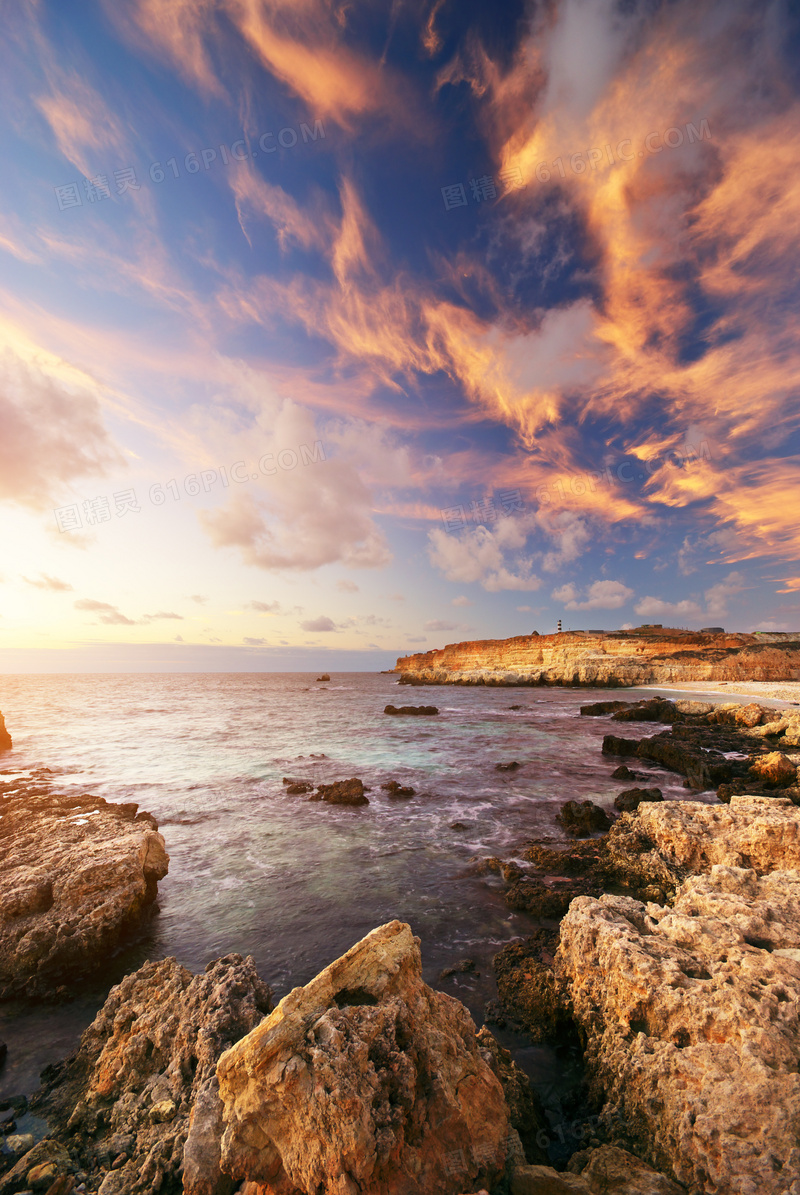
784 691
652 859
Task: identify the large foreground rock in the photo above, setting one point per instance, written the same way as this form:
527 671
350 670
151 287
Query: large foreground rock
140 1094
365 1080
77 875
690 1016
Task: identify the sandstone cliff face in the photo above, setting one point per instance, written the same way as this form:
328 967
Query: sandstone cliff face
690 1012
76 875
614 659
138 1104
364 1080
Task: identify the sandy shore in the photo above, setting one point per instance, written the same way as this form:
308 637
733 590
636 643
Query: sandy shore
787 690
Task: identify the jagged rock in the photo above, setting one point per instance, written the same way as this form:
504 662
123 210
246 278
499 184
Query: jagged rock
395 789
425 711
607 1169
298 789
142 1083
527 987
774 770
323 677
632 798
582 818
363 1080
508 767
342 792
5 737
614 745
623 772
690 1016
598 708
525 1110
28 1170
77 875
656 709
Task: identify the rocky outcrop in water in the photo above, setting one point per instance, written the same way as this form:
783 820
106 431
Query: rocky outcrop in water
5 737
411 711
364 1080
77 876
613 659
137 1106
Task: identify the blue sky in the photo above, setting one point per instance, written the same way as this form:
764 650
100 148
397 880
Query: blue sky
336 331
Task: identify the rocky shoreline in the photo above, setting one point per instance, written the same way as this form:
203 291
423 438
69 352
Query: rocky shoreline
667 959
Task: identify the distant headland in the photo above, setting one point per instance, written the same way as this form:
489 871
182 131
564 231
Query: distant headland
646 655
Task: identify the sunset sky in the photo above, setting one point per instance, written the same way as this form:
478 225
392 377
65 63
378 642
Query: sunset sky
335 331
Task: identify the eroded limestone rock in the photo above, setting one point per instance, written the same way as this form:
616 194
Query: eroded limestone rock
364 1080
690 1016
141 1091
77 874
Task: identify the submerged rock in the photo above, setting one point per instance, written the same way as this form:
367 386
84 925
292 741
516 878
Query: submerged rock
364 1080
342 792
141 1091
425 711
395 789
582 818
77 875
632 798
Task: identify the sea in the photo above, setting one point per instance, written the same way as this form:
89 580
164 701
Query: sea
295 883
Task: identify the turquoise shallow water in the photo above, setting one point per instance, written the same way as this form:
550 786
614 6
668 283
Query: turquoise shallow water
296 883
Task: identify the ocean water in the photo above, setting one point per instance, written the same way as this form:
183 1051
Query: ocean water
292 882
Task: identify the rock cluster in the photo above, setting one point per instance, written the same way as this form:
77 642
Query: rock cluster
341 792
410 711
136 1109
690 1015
77 874
364 1080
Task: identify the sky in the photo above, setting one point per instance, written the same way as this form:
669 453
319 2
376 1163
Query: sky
335 331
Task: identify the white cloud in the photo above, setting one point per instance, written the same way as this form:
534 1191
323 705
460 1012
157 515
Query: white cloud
490 557
347 586
461 601
769 625
105 612
323 623
47 582
716 602
439 624
601 595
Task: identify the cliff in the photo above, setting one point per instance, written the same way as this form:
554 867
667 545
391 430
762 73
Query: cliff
613 658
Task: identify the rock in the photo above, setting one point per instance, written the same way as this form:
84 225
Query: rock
342 792
399 1064
395 789
774 770
528 989
3 1053
465 966
412 710
531 895
296 790
46 1155
525 1110
77 876
691 1026
657 709
613 1169
631 798
623 772
598 708
583 818
323 677
64 1185
19 1143
5 737
613 745
508 767
143 1082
